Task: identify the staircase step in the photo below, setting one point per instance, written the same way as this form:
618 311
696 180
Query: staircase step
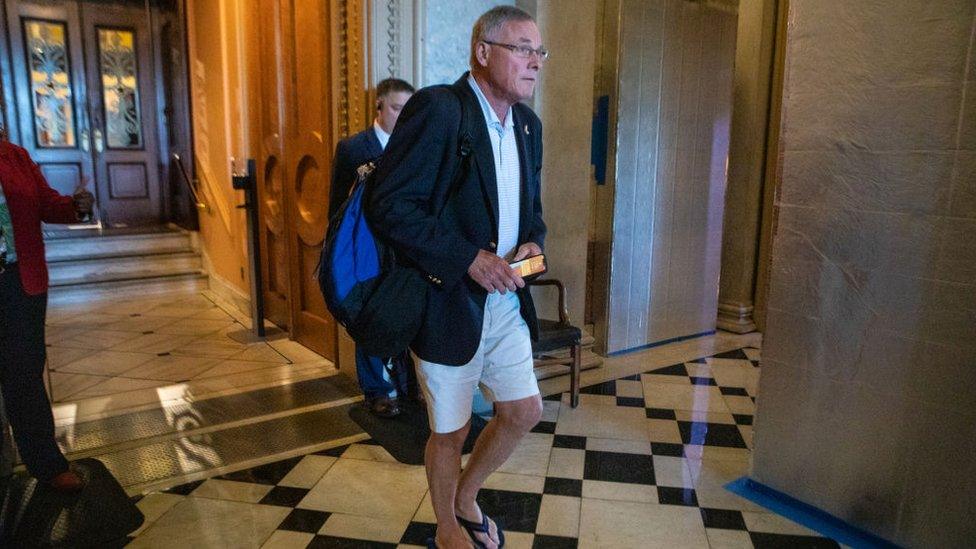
66 249
116 267
131 285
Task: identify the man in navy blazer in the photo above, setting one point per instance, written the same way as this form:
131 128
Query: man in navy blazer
479 314
366 146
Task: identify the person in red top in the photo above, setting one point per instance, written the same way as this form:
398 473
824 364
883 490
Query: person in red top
25 201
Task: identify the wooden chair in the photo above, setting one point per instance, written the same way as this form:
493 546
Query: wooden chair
560 334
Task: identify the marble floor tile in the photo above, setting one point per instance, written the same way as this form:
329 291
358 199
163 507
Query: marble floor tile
739 374
550 411
211 523
425 511
639 525
285 539
368 452
260 352
559 516
616 445
706 417
140 324
308 471
172 368
66 385
711 476
630 389
294 351
728 539
740 404
603 421
117 385
369 488
373 528
153 343
232 367
106 363
195 326
513 482
531 456
210 347
660 430
684 397
58 356
566 463
672 471
619 491
230 490
98 339
774 524
55 334
86 320
154 506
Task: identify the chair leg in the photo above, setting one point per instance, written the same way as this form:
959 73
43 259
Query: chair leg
574 375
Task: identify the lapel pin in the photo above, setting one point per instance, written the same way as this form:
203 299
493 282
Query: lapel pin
526 129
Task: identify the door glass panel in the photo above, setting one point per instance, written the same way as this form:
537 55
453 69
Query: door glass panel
120 88
50 82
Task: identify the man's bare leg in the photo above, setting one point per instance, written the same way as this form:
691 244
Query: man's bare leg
442 459
496 443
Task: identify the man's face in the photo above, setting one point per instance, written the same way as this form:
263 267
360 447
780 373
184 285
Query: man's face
509 74
390 106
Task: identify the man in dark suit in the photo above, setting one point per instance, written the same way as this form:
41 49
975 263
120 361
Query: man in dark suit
375 381
479 314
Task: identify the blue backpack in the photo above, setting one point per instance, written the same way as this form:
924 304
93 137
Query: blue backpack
378 299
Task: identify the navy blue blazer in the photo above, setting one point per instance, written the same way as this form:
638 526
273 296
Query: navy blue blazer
413 183
351 153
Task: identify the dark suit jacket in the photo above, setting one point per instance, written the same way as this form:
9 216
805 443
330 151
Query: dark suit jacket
413 182
351 153
30 201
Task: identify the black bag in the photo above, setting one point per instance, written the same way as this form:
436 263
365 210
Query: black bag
379 300
100 515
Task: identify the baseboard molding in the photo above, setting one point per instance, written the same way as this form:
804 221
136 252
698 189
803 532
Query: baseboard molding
226 291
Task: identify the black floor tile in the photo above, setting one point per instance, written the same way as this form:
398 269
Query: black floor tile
548 427
271 473
618 467
737 354
674 370
635 377
516 511
556 397
563 487
711 434
304 520
698 361
667 449
284 496
184 489
722 518
417 533
605 388
553 542
742 419
762 540
733 391
660 413
630 402
569 441
667 495
323 542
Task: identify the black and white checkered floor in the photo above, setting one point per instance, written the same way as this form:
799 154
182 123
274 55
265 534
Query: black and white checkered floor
640 463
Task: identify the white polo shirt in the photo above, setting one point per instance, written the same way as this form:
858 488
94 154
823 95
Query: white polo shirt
507 175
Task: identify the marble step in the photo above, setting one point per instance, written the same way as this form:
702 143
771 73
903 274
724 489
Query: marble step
135 284
67 249
115 267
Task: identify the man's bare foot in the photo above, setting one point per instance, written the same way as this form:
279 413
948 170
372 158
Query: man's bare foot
473 514
452 538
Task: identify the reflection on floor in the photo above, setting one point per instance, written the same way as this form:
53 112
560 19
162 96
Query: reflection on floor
641 463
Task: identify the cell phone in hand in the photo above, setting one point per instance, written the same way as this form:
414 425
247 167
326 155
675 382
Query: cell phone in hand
530 266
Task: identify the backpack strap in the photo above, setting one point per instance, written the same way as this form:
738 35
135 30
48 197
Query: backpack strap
465 144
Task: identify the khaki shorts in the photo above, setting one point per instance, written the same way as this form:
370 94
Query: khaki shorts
502 367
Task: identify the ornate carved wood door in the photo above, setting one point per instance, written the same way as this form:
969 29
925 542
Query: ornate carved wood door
310 91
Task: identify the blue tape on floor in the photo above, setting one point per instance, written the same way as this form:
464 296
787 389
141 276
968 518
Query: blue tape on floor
807 515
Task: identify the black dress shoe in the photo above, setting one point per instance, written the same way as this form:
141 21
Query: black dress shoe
384 407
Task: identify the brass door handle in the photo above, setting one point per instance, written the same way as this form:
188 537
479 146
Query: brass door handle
99 143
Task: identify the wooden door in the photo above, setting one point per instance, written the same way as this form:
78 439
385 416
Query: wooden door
122 103
85 95
311 88
49 89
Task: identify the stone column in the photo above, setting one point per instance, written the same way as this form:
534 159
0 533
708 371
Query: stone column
746 165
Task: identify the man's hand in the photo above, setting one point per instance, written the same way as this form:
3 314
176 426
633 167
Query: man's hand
493 273
528 249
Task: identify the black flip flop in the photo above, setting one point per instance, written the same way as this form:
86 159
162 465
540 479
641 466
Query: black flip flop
482 528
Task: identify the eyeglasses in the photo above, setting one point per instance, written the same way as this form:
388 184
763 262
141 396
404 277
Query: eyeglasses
521 50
